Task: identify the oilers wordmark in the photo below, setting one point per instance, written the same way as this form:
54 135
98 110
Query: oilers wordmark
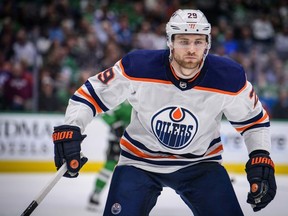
174 130
174 127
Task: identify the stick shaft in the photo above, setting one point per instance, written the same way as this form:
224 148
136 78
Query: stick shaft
56 177
30 208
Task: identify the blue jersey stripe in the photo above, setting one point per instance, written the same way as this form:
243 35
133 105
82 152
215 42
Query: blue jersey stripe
173 162
254 119
214 141
267 124
94 95
143 147
78 99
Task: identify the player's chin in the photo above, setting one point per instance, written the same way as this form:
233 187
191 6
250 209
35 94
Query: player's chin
190 65
191 61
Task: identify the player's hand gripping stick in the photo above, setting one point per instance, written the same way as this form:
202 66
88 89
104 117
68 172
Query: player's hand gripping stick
56 177
67 140
260 174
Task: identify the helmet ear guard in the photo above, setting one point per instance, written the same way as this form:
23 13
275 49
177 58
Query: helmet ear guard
188 22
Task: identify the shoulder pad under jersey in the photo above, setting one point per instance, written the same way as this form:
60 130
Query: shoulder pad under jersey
149 64
223 74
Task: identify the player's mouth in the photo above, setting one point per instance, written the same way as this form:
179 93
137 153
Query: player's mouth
190 58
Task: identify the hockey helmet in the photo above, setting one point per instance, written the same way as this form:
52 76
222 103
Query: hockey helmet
188 21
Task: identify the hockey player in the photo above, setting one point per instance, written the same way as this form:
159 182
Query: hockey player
178 97
117 119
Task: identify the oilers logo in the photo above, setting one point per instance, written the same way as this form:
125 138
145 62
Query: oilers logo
174 127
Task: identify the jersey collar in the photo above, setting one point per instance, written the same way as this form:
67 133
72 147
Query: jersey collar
185 84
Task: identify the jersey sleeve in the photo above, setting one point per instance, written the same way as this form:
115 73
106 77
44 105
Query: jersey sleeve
247 115
97 95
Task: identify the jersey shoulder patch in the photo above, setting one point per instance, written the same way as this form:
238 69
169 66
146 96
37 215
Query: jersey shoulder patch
223 74
149 64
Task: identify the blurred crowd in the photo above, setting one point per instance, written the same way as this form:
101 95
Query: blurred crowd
48 48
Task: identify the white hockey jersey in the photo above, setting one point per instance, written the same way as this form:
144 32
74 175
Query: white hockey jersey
175 122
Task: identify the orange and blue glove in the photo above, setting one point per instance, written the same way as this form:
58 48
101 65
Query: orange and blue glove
260 174
67 148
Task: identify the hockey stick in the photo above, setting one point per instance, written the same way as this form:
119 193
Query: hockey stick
45 190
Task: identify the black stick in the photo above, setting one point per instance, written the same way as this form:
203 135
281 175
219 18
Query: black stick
45 190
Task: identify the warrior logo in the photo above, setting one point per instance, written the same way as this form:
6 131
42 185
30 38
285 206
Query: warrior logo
174 127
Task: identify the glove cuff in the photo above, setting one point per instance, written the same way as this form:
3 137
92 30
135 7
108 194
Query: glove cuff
260 151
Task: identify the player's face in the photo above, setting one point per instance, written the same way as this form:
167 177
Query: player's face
188 50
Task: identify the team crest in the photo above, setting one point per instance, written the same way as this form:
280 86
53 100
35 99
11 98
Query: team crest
174 127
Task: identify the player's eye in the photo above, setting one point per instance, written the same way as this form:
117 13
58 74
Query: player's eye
198 43
184 42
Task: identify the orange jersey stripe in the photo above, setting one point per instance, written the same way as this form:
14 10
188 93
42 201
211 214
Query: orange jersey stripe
220 91
139 153
240 129
90 99
215 151
176 77
142 79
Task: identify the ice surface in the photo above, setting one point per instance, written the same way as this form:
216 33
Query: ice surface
69 197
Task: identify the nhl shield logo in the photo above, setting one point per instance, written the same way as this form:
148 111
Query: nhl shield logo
174 127
183 85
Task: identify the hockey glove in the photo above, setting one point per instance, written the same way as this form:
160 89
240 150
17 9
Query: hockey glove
67 147
260 174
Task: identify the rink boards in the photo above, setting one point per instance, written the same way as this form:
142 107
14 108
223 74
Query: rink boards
26 144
